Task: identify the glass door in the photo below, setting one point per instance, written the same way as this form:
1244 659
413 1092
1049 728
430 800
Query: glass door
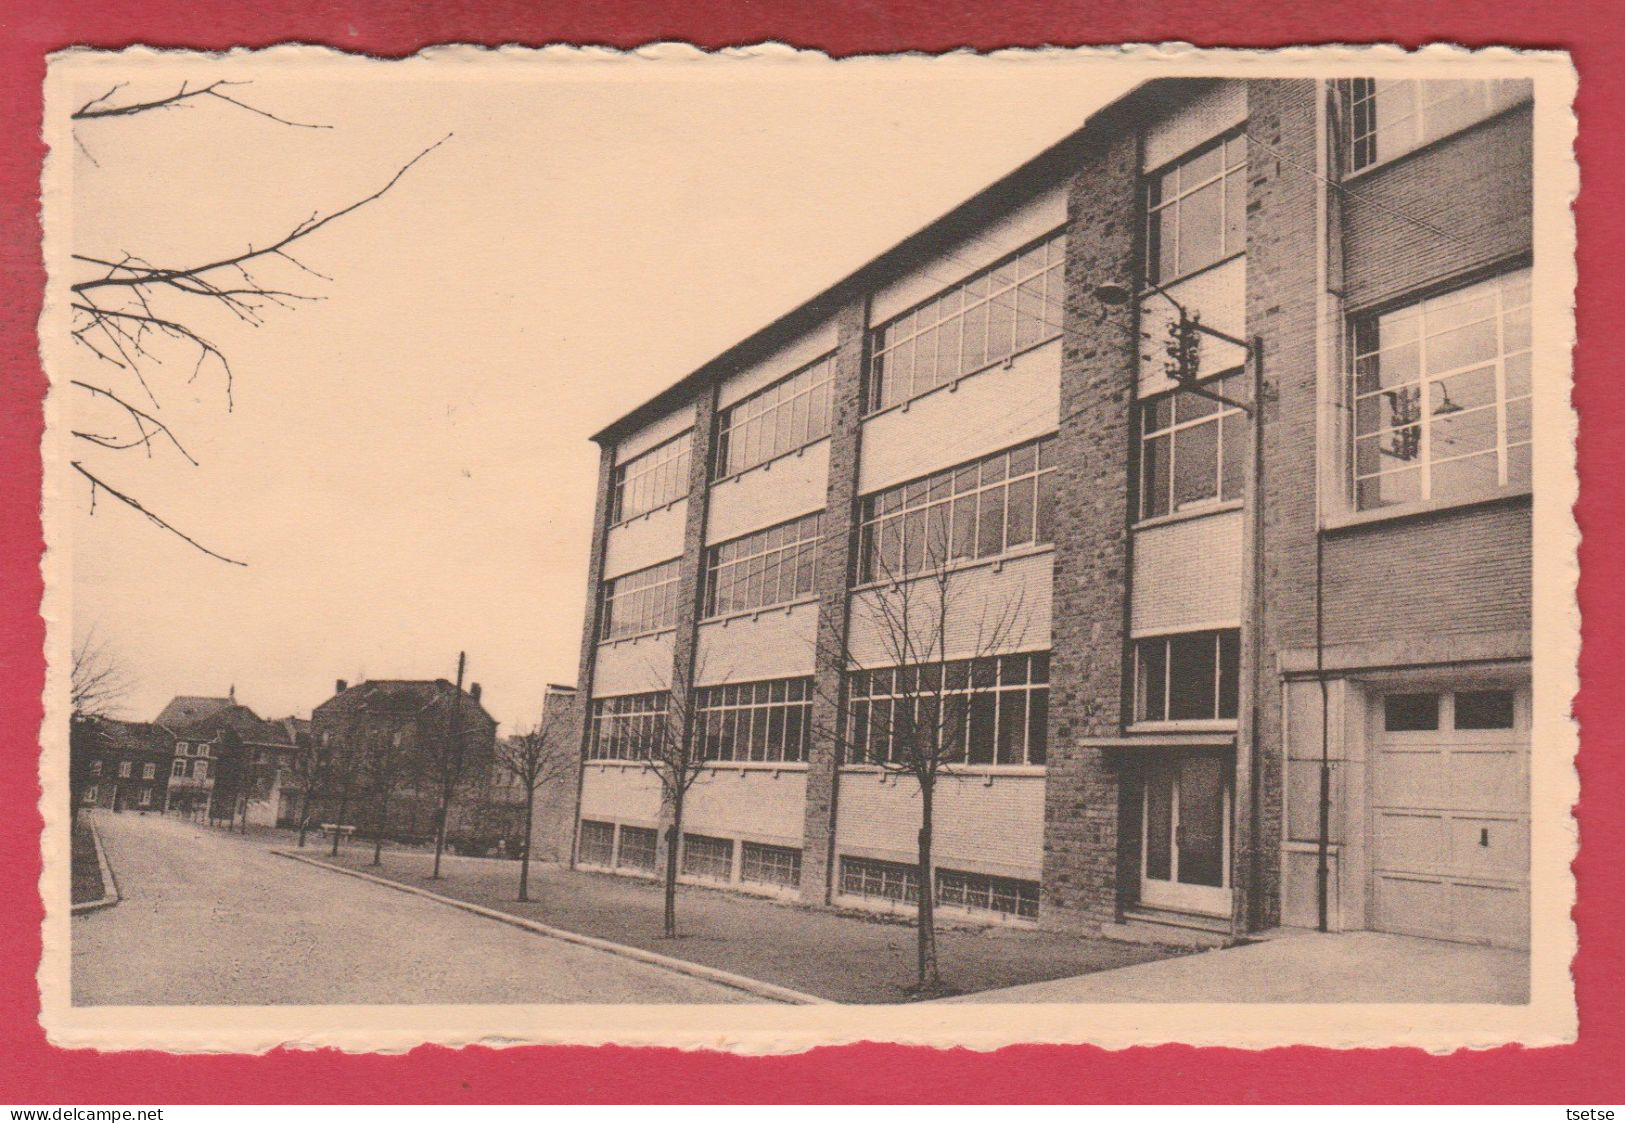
1185 834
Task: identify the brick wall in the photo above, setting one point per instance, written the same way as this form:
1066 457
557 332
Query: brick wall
1282 311
1475 186
836 564
1450 573
1098 367
589 628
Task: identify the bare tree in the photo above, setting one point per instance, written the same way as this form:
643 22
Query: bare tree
342 774
131 311
99 682
446 759
536 759
386 765
922 660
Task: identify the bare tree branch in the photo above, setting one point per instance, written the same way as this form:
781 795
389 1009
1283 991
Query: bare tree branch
96 109
97 485
99 681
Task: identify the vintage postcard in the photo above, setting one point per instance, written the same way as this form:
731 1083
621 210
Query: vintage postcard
745 550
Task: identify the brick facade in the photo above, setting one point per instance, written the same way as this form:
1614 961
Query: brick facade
837 567
1440 587
1098 368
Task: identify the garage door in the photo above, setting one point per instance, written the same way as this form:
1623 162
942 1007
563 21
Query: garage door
1450 816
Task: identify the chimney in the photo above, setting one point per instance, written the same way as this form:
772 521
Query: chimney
474 691
340 686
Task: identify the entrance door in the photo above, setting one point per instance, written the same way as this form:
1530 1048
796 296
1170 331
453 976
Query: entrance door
1185 834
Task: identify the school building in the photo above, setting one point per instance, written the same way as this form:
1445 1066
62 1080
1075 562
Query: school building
1263 584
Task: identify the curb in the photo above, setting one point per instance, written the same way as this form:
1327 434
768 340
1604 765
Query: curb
681 966
110 894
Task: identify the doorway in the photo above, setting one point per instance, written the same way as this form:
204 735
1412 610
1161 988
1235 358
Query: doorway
1185 833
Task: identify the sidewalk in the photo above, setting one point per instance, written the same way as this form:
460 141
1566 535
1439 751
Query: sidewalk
1303 967
840 956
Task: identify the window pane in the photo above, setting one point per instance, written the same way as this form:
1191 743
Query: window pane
1038 726
1235 211
1012 726
1151 680
1408 713
1234 441
982 721
1154 482
1484 709
1192 683
989 538
1045 530
1196 452
1201 226
1019 513
1229 673
1466 476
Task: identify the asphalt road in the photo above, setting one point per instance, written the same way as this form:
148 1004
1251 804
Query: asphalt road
211 919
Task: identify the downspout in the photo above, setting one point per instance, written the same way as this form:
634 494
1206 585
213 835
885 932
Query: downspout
1324 415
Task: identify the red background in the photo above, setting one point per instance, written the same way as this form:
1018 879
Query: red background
33 1072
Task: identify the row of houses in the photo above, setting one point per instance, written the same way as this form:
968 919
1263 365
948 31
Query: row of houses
214 758
1221 409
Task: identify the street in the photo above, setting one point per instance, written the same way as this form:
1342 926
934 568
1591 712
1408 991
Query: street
212 919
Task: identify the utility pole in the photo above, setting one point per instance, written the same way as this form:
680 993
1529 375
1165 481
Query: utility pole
454 751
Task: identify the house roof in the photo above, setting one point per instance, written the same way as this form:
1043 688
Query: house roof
112 735
189 715
1043 171
398 697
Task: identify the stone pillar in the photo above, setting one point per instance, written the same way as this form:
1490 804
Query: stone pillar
1098 371
837 561
1282 310
691 576
581 719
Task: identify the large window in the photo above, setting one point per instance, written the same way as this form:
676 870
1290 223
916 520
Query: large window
178 768
1193 676
149 771
652 479
983 711
1196 210
638 848
124 770
708 858
788 414
1441 396
772 566
597 845
1001 311
627 727
760 864
762 721
1389 116
979 510
639 603
1192 450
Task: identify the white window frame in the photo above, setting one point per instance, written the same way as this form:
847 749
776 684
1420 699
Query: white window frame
1493 95
1515 282
1232 175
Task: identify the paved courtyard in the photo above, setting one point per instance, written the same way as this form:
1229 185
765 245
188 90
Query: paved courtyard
209 918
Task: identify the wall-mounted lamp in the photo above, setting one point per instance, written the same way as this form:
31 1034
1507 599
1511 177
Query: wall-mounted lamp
1184 341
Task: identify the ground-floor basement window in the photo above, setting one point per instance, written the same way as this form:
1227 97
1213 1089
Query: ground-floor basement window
890 881
770 865
893 881
707 857
597 845
983 893
637 849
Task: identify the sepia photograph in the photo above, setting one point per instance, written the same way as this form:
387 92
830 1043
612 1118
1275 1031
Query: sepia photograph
752 550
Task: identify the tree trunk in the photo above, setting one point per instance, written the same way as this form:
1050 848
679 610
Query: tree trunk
304 815
674 835
929 981
524 857
378 833
440 837
344 806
